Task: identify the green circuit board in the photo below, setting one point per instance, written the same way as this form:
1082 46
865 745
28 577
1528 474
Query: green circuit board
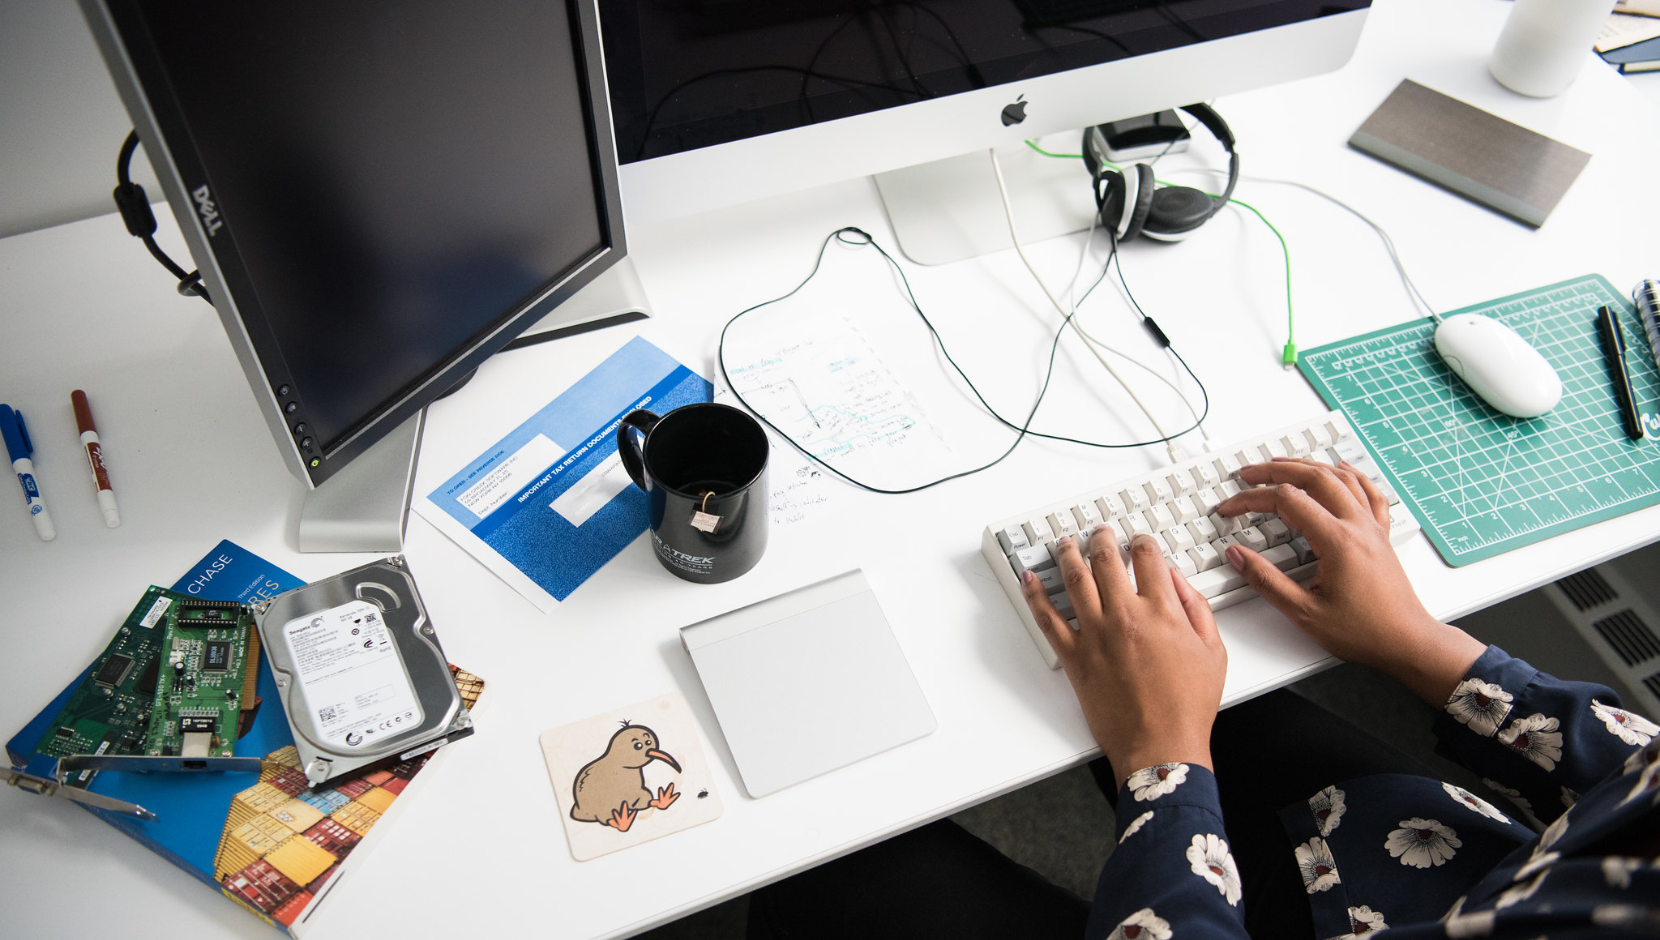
134 699
199 693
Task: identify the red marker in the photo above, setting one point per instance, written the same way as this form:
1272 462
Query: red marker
95 457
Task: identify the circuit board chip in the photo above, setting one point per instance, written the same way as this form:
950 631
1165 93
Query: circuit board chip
113 670
216 656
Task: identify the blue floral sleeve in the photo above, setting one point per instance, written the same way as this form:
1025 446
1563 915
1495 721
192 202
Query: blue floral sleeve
1172 873
1539 741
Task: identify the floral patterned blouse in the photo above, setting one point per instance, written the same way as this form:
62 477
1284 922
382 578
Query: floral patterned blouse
1573 775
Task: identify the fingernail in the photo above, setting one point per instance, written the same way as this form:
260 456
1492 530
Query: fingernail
1141 537
1063 540
1026 578
1236 558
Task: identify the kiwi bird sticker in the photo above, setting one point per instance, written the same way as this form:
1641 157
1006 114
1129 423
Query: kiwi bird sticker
611 789
619 777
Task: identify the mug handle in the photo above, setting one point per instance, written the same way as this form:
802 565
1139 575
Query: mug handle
633 457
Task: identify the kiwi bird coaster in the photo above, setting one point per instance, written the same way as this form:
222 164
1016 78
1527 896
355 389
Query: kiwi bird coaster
629 776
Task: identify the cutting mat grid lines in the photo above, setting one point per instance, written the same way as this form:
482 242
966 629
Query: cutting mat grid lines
1481 482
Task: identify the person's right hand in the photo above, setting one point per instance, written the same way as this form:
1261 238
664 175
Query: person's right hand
1359 606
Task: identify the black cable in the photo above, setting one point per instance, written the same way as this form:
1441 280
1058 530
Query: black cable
141 222
852 84
858 237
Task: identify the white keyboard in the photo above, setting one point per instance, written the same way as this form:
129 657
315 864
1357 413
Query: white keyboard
1178 505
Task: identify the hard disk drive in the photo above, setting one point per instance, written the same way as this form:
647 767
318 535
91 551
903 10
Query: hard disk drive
360 671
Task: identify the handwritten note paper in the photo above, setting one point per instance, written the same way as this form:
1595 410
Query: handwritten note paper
831 393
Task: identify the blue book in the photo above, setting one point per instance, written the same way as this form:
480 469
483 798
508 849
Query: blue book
546 506
269 842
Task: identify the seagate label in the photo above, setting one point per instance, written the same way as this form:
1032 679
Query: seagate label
353 679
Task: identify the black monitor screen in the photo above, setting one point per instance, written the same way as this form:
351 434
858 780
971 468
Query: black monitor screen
396 179
694 73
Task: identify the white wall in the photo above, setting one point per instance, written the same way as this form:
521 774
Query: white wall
61 123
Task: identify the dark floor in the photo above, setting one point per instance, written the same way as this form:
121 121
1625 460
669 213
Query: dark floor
1023 825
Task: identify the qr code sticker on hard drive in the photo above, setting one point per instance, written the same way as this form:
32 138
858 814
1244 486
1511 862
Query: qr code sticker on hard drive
325 714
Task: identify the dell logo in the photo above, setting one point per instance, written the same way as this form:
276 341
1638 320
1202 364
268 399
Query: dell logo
207 210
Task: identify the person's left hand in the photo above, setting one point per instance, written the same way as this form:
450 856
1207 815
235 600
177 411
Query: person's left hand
1146 661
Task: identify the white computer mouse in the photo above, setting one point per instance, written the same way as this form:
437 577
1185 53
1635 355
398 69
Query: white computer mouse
1498 365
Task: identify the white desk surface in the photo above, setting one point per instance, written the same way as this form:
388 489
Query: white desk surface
480 847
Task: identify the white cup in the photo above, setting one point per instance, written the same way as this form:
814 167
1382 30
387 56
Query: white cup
1545 44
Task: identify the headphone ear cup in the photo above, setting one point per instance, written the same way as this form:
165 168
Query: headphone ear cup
1110 203
1141 203
1176 211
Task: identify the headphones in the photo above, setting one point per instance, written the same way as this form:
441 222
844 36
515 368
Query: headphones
1131 205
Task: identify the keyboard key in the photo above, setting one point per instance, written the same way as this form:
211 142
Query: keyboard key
1184 510
1182 483
1282 557
1252 538
1051 580
1087 515
1134 498
1229 489
1351 450
1204 556
1111 507
1319 437
1272 449
1218 580
1206 501
1278 532
1012 538
1206 474
1031 558
1303 550
1158 491
1249 454
1062 523
1295 444
1225 525
1228 465
1116 527
1179 538
1181 562
1160 518
1203 530
1039 533
1136 524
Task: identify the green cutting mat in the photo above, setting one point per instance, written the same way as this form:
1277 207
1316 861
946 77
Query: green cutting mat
1481 482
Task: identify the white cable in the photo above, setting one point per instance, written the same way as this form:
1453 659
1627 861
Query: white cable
1072 304
1412 292
1177 455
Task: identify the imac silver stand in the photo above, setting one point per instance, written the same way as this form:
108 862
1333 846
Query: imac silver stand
949 210
365 506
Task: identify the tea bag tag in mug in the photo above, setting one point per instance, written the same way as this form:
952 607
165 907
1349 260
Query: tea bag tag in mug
703 521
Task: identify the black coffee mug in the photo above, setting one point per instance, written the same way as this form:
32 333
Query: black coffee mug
704 470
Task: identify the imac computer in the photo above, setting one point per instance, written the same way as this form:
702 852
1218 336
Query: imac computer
379 196
717 102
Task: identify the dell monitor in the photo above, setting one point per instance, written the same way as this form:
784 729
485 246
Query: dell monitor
718 102
379 196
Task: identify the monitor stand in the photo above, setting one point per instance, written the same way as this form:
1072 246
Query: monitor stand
364 507
949 210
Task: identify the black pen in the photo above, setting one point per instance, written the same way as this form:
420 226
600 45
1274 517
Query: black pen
1613 348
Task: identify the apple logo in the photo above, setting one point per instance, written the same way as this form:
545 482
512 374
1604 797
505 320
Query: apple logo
1016 112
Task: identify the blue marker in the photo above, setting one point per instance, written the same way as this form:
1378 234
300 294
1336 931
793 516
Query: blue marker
18 449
